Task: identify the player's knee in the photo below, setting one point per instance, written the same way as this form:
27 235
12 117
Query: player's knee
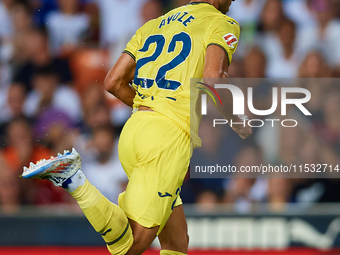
140 243
142 238
180 244
138 247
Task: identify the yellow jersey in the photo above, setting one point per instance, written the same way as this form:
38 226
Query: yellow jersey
170 50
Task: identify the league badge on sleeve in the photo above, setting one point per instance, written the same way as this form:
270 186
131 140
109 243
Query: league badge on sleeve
230 39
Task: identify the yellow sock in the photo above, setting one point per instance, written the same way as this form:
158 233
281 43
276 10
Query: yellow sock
106 218
168 252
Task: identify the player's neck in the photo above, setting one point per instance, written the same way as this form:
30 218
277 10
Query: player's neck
212 2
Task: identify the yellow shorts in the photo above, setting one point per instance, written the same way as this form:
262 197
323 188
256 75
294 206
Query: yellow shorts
155 155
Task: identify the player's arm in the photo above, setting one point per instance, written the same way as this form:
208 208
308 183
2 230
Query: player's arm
216 67
118 78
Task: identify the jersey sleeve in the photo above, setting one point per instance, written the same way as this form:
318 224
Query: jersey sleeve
225 33
133 45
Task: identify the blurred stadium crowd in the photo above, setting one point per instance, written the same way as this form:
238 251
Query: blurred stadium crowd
54 55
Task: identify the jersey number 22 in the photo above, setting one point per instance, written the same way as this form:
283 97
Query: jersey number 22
161 82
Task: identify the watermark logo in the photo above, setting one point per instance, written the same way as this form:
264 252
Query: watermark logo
204 96
239 99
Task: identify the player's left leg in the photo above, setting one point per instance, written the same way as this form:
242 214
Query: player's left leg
106 218
174 238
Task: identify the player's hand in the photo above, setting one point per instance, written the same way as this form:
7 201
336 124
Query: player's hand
243 131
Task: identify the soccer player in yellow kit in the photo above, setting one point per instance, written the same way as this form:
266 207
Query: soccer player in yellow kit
194 41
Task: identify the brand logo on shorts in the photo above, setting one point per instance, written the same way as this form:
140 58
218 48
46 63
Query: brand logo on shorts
166 194
230 39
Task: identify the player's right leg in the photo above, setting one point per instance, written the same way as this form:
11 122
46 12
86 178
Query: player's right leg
106 218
